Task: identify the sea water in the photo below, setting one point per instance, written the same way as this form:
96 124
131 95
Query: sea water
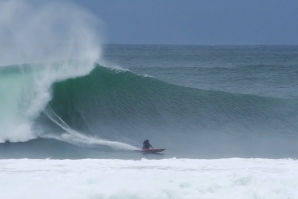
72 114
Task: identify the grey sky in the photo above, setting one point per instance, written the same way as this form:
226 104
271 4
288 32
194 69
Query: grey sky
203 22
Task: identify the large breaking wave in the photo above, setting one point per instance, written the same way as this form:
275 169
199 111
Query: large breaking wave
114 110
41 43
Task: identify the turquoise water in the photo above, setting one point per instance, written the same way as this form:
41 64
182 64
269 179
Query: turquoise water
196 101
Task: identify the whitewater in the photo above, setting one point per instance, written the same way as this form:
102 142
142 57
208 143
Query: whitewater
73 112
167 178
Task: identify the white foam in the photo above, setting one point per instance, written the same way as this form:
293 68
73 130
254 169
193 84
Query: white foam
150 179
74 137
81 140
58 41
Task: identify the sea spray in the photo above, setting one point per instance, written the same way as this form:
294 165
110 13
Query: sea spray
40 44
80 139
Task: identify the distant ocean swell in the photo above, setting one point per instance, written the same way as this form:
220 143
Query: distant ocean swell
115 105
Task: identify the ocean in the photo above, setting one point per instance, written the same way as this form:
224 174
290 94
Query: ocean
74 112
227 116
195 101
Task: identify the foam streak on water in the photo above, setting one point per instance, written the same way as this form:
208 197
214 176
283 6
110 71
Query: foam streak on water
150 179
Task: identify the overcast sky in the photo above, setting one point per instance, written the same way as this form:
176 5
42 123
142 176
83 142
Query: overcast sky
200 22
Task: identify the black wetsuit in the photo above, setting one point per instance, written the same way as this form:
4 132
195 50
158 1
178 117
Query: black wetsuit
146 145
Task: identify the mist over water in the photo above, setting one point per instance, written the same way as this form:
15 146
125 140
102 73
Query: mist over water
58 31
40 43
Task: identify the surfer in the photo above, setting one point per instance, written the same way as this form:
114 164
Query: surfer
147 145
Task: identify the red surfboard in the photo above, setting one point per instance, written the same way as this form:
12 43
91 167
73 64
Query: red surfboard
151 150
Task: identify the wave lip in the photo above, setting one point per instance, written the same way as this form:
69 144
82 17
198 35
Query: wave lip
44 43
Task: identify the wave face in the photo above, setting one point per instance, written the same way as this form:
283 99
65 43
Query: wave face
109 107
